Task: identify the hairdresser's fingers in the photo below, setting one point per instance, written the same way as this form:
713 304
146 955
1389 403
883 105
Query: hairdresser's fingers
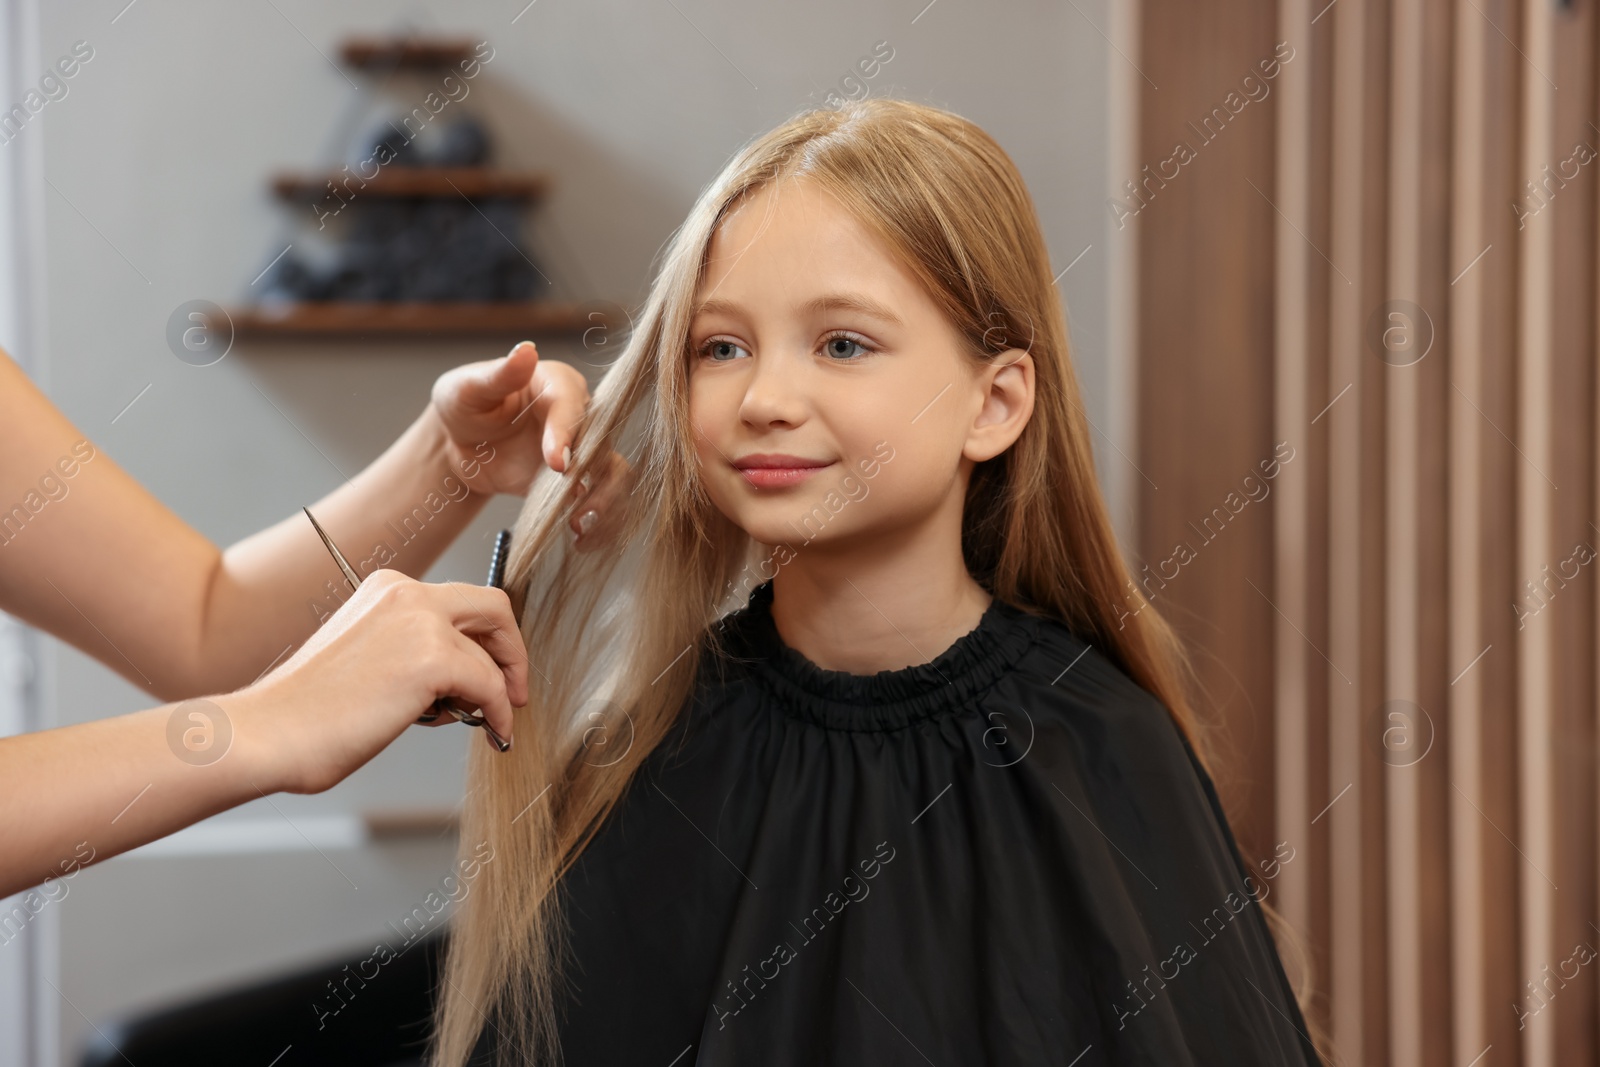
440 718
476 680
384 658
568 397
560 396
614 468
484 614
506 419
598 515
486 388
503 377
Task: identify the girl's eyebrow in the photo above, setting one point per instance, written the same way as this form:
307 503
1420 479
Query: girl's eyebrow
826 302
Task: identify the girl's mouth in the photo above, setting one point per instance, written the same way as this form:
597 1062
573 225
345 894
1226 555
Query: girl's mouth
776 477
769 471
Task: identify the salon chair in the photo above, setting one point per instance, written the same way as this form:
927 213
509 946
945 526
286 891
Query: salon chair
384 1024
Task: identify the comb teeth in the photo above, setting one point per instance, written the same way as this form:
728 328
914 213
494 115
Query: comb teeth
497 559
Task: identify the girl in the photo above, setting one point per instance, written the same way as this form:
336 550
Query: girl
851 739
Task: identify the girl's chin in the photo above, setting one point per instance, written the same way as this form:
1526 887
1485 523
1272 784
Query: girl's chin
784 527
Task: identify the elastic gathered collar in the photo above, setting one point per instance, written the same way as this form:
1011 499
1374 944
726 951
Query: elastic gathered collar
887 700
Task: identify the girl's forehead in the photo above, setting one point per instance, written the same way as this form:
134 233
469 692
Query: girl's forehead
796 216
795 240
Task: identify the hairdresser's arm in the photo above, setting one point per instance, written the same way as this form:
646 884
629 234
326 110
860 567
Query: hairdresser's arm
81 793
88 554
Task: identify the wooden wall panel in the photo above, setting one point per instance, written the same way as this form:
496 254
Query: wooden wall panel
1430 177
1212 354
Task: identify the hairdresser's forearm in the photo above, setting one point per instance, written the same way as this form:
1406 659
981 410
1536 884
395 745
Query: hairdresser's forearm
273 588
79 794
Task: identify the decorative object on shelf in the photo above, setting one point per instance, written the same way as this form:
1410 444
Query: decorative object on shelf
417 249
389 146
464 143
420 233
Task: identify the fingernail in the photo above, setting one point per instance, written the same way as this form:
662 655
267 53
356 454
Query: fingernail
583 481
587 520
566 458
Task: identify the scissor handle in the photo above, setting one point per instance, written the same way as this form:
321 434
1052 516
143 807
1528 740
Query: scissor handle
464 714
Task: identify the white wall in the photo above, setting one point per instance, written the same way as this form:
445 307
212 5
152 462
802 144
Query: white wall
27 957
157 160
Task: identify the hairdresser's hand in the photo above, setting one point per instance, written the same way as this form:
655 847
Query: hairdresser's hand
525 408
596 513
380 661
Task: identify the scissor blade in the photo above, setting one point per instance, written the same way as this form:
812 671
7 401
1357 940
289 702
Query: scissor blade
338 557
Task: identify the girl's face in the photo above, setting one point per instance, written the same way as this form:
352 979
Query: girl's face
829 396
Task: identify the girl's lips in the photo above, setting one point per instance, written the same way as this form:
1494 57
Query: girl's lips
778 477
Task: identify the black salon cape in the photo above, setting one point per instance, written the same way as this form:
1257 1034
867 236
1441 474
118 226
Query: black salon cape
1008 855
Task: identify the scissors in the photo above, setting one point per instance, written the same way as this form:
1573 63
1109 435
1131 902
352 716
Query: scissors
462 711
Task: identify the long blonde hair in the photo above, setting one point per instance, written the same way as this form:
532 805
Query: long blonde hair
615 637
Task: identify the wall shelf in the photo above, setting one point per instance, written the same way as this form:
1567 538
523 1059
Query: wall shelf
410 259
397 180
413 53
382 321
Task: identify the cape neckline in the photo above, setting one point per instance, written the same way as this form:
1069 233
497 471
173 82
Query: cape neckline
890 699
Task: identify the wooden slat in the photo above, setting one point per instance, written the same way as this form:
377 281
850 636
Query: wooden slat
1319 672
1122 479
1592 534
1533 531
1434 591
1291 573
1469 993
1501 466
1211 351
1344 477
1570 627
1485 865
1402 438
1359 978
1303 398
1415 575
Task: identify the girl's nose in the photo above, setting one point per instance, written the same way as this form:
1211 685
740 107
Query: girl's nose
776 390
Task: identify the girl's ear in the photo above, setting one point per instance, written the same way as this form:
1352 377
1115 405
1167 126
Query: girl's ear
1007 387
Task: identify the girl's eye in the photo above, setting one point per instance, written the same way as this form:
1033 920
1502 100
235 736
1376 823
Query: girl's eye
720 351
842 348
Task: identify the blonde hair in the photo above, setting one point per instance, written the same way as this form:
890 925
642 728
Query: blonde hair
615 638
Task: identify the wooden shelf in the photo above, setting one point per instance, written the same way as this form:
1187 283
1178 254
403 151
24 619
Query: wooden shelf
398 180
353 321
359 322
389 53
401 824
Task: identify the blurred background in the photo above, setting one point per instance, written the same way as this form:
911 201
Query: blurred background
1331 273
